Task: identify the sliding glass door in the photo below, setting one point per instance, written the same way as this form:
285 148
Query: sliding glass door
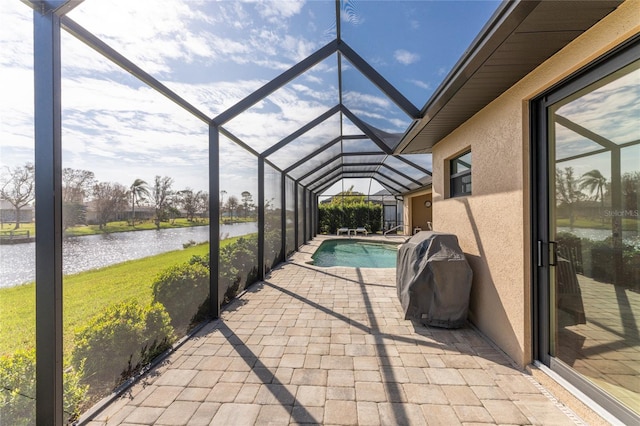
588 232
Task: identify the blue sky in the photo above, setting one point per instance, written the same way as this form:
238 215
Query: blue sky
215 53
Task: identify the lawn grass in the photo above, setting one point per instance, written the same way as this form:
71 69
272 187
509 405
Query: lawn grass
85 294
8 226
111 227
124 226
628 224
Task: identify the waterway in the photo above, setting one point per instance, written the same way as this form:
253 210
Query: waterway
17 262
631 237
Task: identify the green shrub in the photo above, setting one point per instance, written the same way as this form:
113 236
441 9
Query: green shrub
238 266
272 248
183 289
18 392
121 340
200 260
334 216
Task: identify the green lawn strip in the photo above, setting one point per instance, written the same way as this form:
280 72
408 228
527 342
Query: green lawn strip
85 294
628 224
7 227
124 226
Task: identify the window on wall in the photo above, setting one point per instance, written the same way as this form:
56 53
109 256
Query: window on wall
461 175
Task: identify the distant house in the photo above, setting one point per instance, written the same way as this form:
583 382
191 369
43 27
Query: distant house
8 213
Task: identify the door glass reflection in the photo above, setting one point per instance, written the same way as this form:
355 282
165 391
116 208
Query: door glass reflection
594 217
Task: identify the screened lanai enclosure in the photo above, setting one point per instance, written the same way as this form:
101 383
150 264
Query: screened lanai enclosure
219 126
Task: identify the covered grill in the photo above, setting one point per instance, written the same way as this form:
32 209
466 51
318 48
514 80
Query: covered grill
433 280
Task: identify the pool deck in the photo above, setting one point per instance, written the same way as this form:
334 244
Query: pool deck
313 345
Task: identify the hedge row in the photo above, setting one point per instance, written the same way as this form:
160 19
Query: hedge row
332 217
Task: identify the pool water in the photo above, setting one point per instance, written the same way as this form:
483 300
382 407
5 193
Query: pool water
356 253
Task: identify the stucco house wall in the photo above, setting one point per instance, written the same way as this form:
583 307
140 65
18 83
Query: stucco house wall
493 224
421 214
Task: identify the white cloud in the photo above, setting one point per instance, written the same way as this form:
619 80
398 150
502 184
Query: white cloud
610 111
363 99
405 57
149 35
115 124
278 9
421 84
16 34
298 48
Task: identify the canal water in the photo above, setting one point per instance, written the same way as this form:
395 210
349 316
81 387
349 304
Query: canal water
630 237
17 262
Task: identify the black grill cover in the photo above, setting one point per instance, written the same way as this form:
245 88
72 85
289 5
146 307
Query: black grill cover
433 280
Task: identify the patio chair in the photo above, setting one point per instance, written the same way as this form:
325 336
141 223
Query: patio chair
362 230
342 231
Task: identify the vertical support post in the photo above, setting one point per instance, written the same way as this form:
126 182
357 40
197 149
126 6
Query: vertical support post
214 220
314 211
295 215
283 223
260 218
48 191
304 216
316 220
314 214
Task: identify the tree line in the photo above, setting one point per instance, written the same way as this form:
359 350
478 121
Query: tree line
233 205
108 200
573 191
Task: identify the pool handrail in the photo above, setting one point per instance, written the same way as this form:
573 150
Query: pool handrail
393 229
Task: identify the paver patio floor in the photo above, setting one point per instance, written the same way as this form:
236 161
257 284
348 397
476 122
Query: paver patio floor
330 346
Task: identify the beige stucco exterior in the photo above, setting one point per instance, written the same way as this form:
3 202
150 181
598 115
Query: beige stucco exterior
493 224
416 213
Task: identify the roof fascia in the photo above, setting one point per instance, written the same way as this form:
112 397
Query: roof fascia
503 22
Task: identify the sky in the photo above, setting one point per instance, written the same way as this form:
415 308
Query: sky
214 54
612 111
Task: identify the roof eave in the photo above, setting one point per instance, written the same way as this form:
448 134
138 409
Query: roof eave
442 113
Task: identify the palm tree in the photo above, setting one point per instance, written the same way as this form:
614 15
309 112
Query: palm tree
594 182
139 191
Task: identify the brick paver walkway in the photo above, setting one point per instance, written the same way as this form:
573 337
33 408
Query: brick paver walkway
329 346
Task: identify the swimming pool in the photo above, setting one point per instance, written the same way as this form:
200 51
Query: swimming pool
356 253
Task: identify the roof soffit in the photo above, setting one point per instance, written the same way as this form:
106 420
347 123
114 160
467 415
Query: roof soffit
521 36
